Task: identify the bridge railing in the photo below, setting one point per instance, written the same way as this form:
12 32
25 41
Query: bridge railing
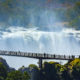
37 55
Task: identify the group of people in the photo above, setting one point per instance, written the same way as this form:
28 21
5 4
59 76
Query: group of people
38 55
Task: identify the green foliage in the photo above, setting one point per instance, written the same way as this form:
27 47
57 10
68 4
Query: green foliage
3 72
33 66
75 69
17 75
71 70
57 65
26 76
51 70
13 75
75 62
77 6
73 15
65 75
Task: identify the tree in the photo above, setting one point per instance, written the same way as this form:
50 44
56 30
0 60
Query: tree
3 72
65 74
76 73
17 75
26 76
51 71
33 66
35 72
73 15
75 69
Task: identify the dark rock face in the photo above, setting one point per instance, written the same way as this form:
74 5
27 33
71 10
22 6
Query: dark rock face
5 64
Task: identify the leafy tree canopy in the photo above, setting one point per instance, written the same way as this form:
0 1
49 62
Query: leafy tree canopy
17 75
3 72
33 66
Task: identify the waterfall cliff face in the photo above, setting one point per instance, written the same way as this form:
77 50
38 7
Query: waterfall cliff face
37 26
34 40
44 32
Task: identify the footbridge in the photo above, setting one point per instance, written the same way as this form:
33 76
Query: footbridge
39 56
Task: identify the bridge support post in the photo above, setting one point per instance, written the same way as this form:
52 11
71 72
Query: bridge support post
40 63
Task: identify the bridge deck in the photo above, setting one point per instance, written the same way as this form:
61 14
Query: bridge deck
36 55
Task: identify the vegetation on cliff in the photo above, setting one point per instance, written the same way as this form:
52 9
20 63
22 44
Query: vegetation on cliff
50 71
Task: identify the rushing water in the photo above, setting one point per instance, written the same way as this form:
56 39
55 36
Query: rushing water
66 41
36 26
34 40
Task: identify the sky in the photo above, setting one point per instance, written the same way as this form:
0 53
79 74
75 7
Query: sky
34 26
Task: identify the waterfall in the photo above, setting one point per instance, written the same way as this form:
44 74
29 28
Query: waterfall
64 41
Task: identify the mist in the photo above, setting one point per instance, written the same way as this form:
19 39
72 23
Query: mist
38 26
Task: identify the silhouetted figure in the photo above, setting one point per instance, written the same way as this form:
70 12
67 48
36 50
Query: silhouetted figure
73 57
64 56
36 54
32 54
15 53
54 55
69 57
44 55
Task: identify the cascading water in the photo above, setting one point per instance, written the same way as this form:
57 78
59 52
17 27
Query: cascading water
36 26
49 37
33 40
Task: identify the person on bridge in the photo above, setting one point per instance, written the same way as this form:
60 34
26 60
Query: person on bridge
54 55
44 54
